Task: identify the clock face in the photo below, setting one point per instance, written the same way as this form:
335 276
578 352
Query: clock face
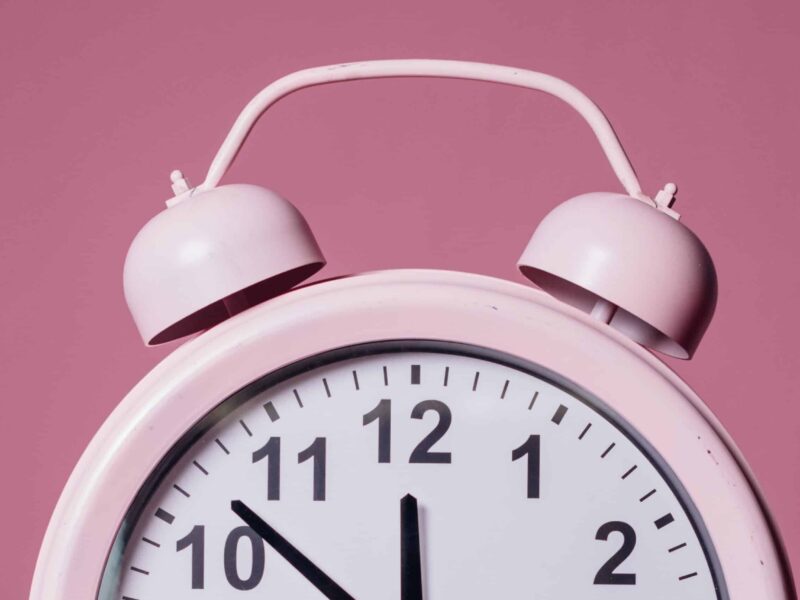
405 470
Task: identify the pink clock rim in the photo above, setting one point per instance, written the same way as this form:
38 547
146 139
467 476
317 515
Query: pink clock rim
447 305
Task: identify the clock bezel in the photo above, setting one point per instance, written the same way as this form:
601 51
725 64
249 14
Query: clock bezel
458 307
344 353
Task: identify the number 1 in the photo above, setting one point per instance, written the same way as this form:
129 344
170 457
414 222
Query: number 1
196 538
317 452
531 449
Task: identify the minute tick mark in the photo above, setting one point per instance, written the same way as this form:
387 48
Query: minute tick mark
585 430
629 471
297 397
647 495
607 450
475 382
246 428
533 400
505 389
355 380
221 445
199 466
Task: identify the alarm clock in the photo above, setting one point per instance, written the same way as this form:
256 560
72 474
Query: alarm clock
414 434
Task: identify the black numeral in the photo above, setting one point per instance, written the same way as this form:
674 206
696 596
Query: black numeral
531 449
383 414
317 452
230 555
196 539
606 574
272 452
422 453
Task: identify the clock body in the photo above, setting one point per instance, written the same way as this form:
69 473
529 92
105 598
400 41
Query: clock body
549 455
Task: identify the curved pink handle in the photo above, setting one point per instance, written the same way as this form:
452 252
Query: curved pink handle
426 68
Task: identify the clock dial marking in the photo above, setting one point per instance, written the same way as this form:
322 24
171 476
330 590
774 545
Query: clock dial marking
272 412
647 495
181 490
628 472
662 522
342 466
558 416
608 450
165 516
415 374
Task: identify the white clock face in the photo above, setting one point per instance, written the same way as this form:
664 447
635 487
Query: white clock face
510 483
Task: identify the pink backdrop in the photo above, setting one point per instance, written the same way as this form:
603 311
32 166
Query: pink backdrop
98 103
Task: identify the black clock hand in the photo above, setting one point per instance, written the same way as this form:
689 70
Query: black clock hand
410 560
329 588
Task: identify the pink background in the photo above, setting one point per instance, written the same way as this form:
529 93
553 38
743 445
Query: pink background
99 101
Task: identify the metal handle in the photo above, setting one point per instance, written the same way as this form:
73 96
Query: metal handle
453 69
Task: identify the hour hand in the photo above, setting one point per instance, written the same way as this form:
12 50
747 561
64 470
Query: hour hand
329 588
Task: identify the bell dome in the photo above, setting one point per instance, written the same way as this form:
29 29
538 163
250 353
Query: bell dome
636 265
212 254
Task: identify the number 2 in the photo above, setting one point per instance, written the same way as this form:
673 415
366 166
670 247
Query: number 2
422 453
606 574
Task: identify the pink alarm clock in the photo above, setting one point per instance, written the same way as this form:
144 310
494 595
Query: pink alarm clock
414 434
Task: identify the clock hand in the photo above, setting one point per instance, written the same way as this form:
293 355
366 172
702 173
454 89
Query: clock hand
329 588
410 560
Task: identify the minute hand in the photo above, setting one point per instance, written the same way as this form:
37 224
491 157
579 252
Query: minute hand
410 559
329 588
